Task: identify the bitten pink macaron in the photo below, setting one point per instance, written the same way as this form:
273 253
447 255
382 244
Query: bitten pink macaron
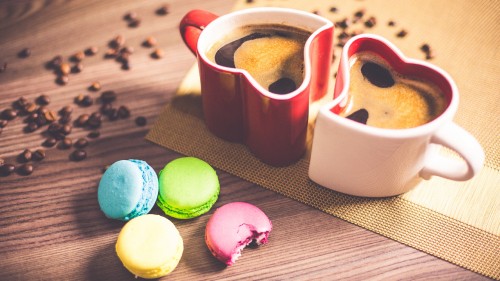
232 227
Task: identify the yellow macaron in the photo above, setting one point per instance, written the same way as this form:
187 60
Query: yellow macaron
149 246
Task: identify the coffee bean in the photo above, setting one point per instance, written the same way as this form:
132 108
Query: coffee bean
134 23
49 142
78 155
158 54
108 97
77 68
360 116
425 48
50 116
123 112
38 155
7 170
90 51
31 107
377 75
360 13
9 114
25 156
3 123
64 68
84 100
126 66
62 80
65 143
65 119
402 33
345 23
163 10
78 56
113 114
43 99
20 103
333 9
130 16
95 120
94 134
391 23
25 169
31 127
95 86
82 120
67 109
66 129
111 53
117 42
150 42
24 53
81 143
56 62
141 121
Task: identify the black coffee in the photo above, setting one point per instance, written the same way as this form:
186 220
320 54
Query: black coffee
380 97
272 54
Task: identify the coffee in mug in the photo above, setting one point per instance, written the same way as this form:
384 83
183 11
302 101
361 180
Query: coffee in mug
381 97
272 54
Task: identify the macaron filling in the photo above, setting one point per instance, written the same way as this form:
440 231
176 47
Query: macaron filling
187 213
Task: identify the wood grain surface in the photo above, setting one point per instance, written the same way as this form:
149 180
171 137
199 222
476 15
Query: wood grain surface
51 227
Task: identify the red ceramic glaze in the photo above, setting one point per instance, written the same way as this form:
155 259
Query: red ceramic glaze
236 108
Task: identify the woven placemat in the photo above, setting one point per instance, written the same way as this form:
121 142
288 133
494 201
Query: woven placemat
456 221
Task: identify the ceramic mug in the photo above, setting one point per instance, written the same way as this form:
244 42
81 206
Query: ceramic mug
235 107
362 160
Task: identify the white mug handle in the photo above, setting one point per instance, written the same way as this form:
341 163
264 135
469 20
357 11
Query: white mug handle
462 142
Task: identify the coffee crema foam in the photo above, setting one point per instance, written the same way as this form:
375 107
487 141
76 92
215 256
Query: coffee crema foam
404 102
272 54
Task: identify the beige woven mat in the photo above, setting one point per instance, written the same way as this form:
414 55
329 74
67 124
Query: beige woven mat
456 221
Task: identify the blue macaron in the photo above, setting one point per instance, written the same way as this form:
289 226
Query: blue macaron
127 189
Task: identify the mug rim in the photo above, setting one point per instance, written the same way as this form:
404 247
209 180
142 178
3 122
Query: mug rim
292 17
423 129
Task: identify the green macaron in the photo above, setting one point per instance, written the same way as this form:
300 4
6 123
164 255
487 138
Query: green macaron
188 188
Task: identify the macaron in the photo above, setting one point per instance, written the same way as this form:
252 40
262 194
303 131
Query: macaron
232 227
149 246
128 188
189 187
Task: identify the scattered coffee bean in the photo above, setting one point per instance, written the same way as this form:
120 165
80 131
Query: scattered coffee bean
31 127
25 169
3 123
24 53
65 119
90 51
126 65
66 110
43 100
77 68
78 56
20 103
345 23
426 48
113 114
25 156
84 100
94 134
123 112
391 23
7 170
141 121
30 107
371 22
150 42
55 62
111 53
402 33
95 86
78 155
108 97
134 23
82 120
106 108
50 116
3 67
81 143
165 10
62 80
65 143
117 42
333 9
158 54
95 120
360 13
130 16
38 155
9 114
64 68
49 142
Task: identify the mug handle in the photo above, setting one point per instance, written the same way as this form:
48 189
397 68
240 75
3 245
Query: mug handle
456 138
191 26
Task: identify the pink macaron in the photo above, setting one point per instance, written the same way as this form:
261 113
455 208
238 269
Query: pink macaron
232 227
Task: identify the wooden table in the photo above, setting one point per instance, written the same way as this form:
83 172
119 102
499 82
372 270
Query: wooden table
51 227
